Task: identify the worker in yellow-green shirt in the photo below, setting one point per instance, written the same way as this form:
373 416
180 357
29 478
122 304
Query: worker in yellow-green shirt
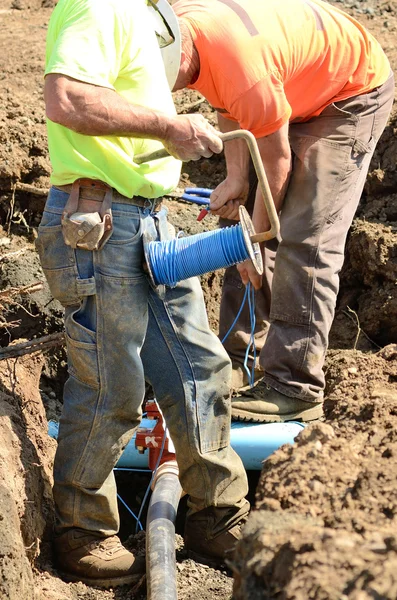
108 98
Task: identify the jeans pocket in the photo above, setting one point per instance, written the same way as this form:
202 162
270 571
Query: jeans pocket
232 279
82 352
337 108
122 256
212 440
214 418
59 264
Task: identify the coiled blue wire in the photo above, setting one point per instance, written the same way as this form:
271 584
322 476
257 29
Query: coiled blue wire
184 257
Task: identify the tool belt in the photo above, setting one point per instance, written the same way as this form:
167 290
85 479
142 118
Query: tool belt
87 221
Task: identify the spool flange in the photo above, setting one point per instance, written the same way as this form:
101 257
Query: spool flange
253 248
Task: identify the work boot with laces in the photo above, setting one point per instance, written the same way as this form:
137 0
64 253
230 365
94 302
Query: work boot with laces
263 404
211 534
97 561
240 380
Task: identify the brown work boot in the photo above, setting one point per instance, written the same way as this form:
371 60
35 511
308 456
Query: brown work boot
211 534
263 404
240 381
97 561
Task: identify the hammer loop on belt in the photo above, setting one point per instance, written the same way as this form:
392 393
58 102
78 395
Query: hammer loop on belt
87 221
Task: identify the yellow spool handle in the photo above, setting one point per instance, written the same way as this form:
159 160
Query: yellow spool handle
259 170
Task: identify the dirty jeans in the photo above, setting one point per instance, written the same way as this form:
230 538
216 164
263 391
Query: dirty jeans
295 306
119 333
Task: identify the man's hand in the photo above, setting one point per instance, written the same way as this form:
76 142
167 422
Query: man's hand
248 274
228 196
191 137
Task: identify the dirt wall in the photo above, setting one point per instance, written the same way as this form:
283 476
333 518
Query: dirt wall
325 524
25 475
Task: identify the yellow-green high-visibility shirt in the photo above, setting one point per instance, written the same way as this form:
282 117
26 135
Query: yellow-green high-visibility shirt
112 44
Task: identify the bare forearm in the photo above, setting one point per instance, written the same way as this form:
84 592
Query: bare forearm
236 151
101 111
278 174
276 157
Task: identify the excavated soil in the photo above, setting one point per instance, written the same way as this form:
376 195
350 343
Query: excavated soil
324 523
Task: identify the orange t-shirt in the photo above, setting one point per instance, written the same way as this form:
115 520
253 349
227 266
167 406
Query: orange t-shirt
266 62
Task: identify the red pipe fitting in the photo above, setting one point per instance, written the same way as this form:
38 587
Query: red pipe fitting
152 439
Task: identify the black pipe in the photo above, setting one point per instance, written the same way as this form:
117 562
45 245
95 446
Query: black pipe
160 538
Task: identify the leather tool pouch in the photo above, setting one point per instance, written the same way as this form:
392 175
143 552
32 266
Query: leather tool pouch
87 219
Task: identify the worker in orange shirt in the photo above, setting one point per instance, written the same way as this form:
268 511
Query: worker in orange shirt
315 89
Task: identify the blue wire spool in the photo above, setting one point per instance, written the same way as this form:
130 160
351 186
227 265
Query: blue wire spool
170 261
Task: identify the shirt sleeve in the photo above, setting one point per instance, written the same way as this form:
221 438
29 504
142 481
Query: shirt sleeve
89 44
264 108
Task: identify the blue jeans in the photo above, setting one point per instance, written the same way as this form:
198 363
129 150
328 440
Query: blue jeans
120 333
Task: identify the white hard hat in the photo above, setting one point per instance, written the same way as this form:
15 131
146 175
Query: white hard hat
168 36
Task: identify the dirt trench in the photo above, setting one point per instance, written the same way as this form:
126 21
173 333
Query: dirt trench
324 523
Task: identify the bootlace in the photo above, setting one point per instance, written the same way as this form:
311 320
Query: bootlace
111 545
259 388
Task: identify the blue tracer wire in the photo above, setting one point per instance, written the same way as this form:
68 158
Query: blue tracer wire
184 257
138 523
238 314
250 295
251 305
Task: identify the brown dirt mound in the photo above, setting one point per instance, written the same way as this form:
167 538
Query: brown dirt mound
326 519
372 260
291 558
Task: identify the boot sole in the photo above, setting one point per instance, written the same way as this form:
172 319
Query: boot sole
308 414
101 583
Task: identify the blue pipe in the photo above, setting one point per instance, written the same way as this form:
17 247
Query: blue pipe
253 442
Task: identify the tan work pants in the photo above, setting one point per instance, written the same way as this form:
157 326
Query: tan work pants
295 307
